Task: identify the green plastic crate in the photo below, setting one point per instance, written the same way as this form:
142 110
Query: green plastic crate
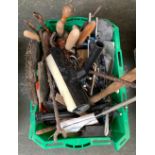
120 132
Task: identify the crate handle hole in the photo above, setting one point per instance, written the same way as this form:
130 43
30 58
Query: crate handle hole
78 146
119 59
38 141
123 141
124 96
87 144
100 141
68 145
54 144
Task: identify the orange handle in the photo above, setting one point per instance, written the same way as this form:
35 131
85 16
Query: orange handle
67 11
86 32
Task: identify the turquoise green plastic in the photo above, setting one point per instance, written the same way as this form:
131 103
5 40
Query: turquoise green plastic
120 132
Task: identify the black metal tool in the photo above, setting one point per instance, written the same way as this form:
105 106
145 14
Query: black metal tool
96 49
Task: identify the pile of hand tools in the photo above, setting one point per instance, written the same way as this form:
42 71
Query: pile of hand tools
69 75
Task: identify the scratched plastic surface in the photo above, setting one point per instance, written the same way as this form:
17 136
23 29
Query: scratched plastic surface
120 132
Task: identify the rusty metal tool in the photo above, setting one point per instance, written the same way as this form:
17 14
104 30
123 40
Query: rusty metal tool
96 11
31 59
89 28
61 43
30 25
52 94
59 130
96 29
67 11
130 76
93 79
117 106
112 78
44 37
31 35
52 39
40 19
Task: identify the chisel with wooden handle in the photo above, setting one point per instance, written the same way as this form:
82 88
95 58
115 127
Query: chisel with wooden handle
130 76
66 12
72 38
31 35
86 32
30 25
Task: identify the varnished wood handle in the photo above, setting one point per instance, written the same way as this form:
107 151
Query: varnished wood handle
31 35
130 76
72 38
86 32
60 27
66 12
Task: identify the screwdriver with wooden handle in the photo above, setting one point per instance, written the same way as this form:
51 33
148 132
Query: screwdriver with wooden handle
67 11
130 76
72 38
89 28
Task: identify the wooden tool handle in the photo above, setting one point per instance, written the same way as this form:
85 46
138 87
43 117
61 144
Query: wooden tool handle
86 32
67 11
60 27
130 76
59 99
31 35
72 38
